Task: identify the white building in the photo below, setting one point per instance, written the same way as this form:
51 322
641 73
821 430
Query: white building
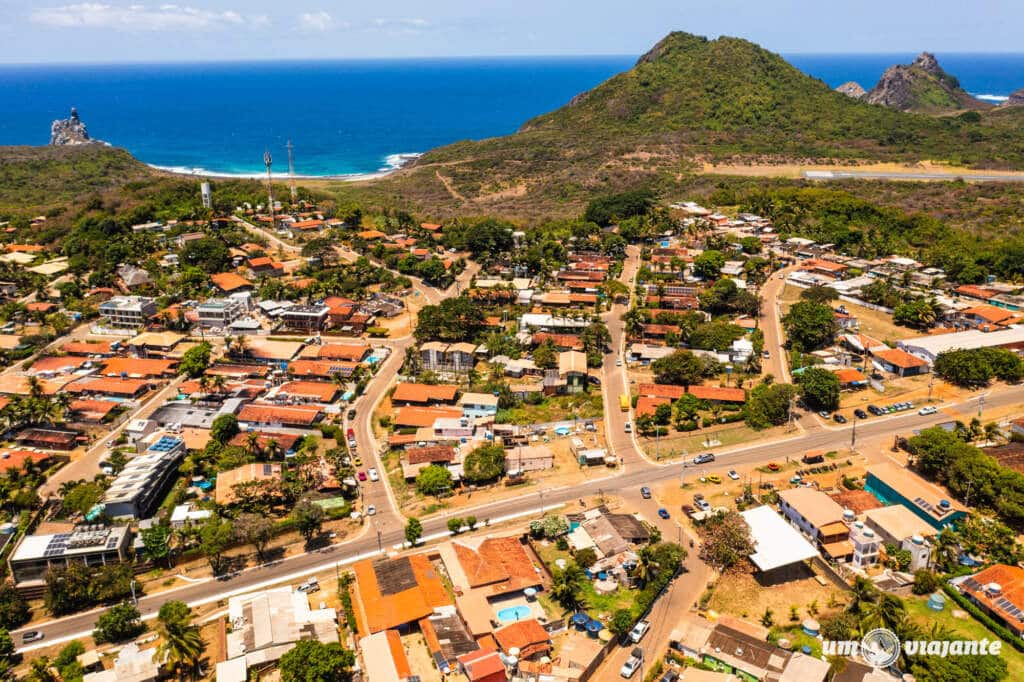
928 348
128 311
140 486
776 543
220 312
267 625
866 545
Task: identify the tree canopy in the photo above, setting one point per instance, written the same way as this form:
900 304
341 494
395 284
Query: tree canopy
819 387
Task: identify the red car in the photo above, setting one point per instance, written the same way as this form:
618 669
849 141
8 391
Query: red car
362 475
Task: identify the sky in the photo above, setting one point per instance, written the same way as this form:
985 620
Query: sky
35 31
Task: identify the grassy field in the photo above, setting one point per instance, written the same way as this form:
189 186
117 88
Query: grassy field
596 604
917 608
557 408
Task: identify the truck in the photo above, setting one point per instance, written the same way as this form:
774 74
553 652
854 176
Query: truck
624 402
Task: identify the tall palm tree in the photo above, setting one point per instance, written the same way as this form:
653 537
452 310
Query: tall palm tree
181 645
888 612
863 594
272 448
252 443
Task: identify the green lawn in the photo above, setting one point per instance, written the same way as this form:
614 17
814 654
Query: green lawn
557 408
917 609
596 604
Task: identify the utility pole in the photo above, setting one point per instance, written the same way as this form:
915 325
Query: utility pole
981 404
268 162
853 434
291 175
931 380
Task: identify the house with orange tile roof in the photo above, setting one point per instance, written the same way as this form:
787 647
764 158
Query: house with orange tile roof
976 292
986 317
850 377
999 591
309 391
57 364
337 351
528 636
648 405
483 666
122 388
16 459
430 227
88 348
371 235
710 393
265 266
286 441
424 416
423 394
899 362
136 368
265 414
230 282
392 593
247 473
91 411
307 225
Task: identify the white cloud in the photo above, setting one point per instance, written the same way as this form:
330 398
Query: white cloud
166 17
315 21
402 26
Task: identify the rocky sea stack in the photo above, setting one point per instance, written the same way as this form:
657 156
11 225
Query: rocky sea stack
852 89
922 86
69 131
1016 99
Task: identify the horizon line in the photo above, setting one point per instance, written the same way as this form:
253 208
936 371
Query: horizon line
438 58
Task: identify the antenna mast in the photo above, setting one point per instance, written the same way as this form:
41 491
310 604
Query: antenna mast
267 161
291 174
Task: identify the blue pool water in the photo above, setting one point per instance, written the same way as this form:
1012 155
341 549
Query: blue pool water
563 430
514 613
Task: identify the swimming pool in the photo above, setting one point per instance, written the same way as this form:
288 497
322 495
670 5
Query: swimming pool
514 613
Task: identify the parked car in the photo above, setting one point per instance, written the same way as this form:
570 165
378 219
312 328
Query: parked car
663 513
373 475
860 414
371 510
838 418
310 585
875 410
633 663
362 475
733 475
352 413
687 509
824 414
639 630
645 493
31 636
701 503
669 676
704 459
628 428
618 362
766 354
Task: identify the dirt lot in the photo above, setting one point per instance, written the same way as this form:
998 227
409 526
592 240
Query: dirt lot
874 323
740 593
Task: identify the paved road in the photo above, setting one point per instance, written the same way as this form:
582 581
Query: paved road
771 326
925 176
639 473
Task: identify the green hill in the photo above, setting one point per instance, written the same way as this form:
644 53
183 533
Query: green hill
692 100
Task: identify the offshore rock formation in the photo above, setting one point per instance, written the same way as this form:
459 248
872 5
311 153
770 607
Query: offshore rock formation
69 131
921 86
852 89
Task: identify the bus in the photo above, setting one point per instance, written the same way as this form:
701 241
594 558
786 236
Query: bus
624 402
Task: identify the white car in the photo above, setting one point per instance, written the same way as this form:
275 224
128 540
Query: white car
638 631
371 510
628 428
733 475
618 362
633 663
373 475
929 409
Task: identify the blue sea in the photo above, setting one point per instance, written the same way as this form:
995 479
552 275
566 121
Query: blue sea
352 117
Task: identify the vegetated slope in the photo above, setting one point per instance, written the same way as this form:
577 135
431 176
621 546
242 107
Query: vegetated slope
687 101
922 86
45 178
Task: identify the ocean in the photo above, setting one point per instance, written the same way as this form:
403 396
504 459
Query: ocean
352 118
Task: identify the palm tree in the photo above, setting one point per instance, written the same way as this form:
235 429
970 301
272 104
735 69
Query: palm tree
252 443
887 612
565 586
272 448
181 645
993 433
218 382
864 593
